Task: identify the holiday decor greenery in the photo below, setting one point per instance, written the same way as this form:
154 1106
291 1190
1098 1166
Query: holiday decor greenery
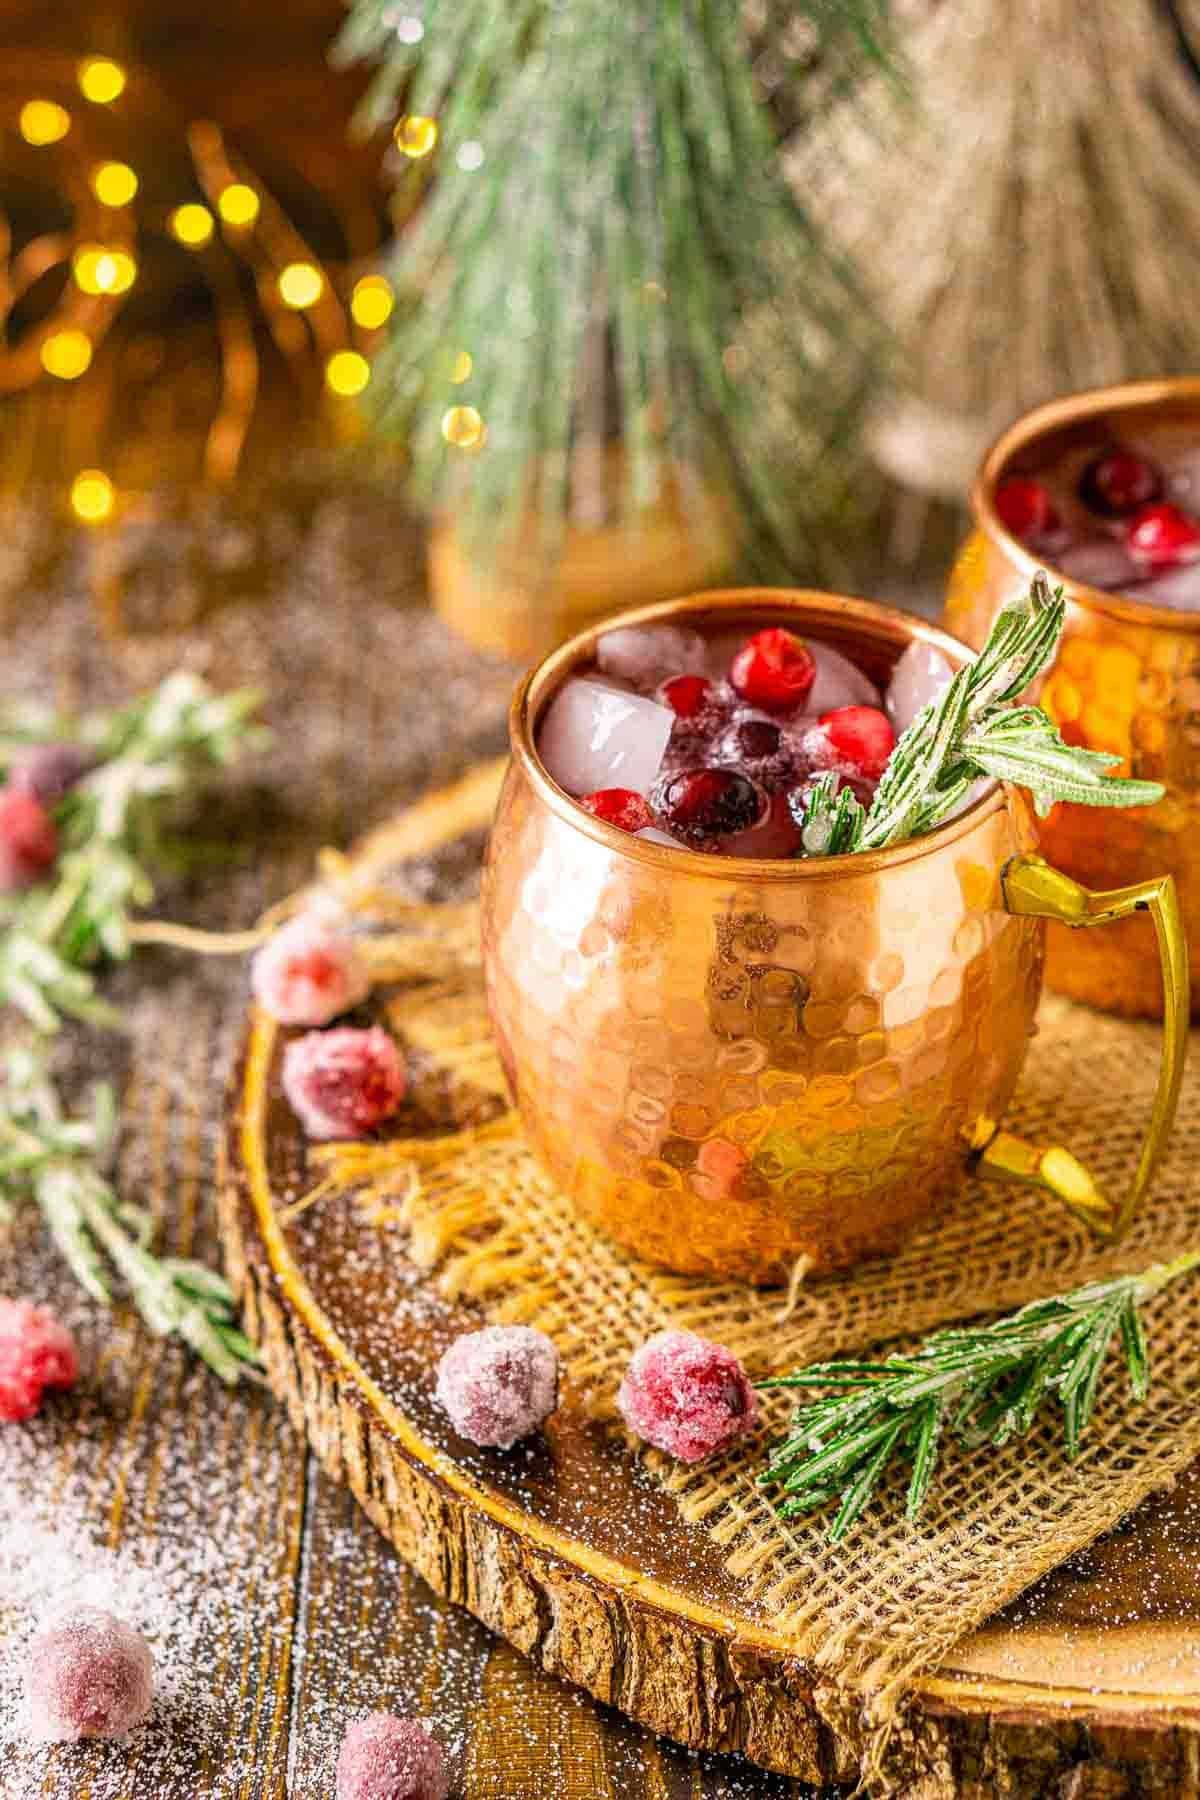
974 730
608 251
84 821
981 1382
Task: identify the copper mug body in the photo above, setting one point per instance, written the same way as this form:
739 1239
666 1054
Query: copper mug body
731 1065
1126 680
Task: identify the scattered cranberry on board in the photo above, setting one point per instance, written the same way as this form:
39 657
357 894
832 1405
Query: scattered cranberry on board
37 1354
687 1396
89 1675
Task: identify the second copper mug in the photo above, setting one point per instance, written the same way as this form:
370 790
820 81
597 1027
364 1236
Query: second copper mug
730 1065
1126 680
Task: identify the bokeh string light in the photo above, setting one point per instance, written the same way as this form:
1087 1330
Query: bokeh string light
324 317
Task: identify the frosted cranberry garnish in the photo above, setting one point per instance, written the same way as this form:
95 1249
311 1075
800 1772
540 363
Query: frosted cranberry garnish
703 804
1163 536
774 670
687 1396
861 738
28 839
621 807
1025 508
1118 482
36 1353
688 696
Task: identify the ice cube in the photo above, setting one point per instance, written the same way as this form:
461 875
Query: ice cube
1180 589
1099 562
646 654
597 736
652 835
839 682
921 674
1183 479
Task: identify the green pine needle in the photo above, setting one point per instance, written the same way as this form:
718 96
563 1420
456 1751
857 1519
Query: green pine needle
51 1158
974 729
605 228
983 1383
110 825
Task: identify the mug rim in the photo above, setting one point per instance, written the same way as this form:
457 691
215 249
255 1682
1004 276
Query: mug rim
1070 409
546 677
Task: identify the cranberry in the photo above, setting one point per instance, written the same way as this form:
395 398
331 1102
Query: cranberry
621 807
861 738
688 696
774 670
388 1758
1118 482
48 771
702 804
36 1353
28 840
1025 508
1163 536
343 1083
500 1384
687 1396
87 1675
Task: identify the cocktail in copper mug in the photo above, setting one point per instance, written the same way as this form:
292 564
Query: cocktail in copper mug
1126 680
730 1065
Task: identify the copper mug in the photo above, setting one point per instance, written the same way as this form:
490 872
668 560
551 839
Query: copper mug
1126 680
730 1065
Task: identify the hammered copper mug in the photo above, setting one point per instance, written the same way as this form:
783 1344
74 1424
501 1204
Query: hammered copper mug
730 1065
1126 680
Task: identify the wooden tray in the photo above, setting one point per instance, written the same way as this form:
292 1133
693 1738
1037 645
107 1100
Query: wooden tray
569 1551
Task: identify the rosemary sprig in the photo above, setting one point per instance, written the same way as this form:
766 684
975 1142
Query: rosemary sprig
974 729
982 1382
51 1158
111 827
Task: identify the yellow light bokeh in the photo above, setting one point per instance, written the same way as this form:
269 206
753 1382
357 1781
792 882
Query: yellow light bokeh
93 497
347 372
101 271
43 122
301 284
463 427
67 353
101 80
416 136
372 301
114 183
461 370
192 224
238 204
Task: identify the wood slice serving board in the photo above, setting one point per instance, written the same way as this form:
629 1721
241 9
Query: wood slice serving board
1090 1685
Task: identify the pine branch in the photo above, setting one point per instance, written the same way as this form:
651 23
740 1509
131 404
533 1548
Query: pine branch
983 1383
110 823
974 729
605 229
50 1158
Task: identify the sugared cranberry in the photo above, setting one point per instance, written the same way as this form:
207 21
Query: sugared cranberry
345 1082
761 749
687 1396
774 670
309 972
386 1758
500 1384
1025 508
688 696
48 771
1163 536
700 805
89 1675
861 738
36 1353
621 807
1119 481
28 840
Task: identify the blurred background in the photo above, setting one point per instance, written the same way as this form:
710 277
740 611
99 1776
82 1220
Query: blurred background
563 308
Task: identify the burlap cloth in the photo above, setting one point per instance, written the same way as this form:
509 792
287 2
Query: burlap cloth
373 704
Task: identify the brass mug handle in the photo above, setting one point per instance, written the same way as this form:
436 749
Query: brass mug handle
1033 889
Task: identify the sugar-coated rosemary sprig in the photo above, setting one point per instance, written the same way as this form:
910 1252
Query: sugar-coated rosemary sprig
980 1382
110 827
53 1158
974 729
